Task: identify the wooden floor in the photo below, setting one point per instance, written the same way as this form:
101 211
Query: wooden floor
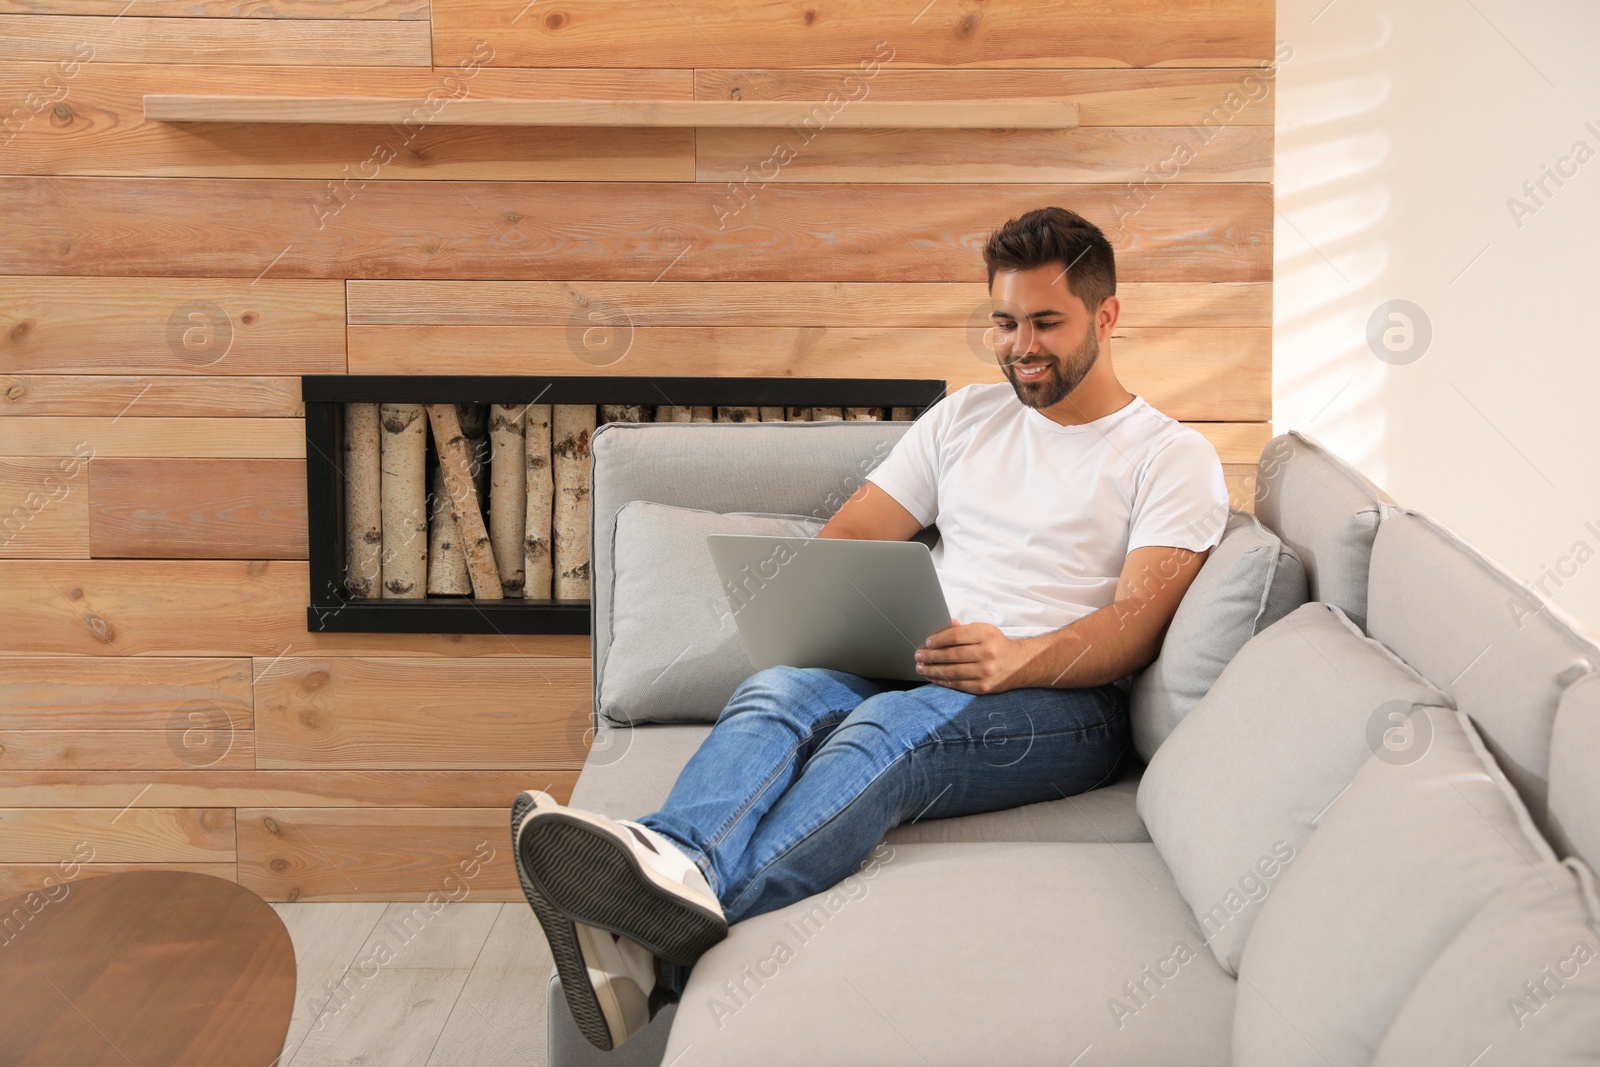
393 984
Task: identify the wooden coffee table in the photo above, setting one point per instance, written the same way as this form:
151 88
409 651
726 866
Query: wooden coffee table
148 967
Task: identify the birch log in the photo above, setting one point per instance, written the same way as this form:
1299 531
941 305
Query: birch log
798 415
863 414
463 492
737 413
570 428
540 493
363 501
508 488
475 428
772 415
447 560
672 413
701 413
827 414
903 414
403 484
624 413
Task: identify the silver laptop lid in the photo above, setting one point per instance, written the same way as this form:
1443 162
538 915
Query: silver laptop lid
863 607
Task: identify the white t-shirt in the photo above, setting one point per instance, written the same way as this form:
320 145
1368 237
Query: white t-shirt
1036 519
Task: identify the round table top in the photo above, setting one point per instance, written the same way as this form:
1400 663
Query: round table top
144 967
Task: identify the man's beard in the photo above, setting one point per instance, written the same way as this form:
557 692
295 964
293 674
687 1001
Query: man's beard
1056 383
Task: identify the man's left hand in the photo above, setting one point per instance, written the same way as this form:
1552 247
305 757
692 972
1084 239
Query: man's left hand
974 657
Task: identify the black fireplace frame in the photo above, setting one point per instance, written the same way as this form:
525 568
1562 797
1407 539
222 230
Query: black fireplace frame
330 611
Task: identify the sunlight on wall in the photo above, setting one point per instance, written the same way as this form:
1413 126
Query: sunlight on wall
1330 256
1407 134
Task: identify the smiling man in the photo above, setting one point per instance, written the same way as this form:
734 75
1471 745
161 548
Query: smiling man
1072 516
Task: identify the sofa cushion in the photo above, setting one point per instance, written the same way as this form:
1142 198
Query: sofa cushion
1478 634
1237 789
1104 814
1400 863
629 773
675 653
1018 954
1522 979
1250 581
787 468
1574 816
1327 511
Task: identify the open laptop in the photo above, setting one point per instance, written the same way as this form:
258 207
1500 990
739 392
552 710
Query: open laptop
863 607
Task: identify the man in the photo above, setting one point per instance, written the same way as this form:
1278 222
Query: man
1072 518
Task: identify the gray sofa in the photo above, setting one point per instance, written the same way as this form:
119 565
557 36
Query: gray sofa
1365 844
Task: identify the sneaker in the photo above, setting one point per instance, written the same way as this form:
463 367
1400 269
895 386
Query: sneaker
610 982
617 875
622 981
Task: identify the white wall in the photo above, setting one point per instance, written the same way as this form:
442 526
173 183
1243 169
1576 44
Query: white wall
1403 130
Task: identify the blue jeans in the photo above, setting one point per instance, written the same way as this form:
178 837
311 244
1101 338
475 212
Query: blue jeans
807 768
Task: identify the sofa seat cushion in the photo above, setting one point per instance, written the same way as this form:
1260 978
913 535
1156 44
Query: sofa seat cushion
630 771
1014 953
1104 814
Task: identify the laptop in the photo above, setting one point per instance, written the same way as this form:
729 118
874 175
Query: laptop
863 607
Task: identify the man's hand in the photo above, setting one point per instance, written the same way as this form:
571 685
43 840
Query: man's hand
974 657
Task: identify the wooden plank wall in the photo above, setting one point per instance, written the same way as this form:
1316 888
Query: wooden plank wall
161 287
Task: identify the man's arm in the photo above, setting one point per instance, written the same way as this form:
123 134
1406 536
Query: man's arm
871 515
1101 647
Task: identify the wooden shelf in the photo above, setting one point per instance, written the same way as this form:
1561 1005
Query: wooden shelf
1015 113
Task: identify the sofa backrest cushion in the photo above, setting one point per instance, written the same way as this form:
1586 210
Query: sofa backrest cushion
1397 867
1325 510
1574 815
1238 786
1503 655
675 653
1522 978
1250 581
789 468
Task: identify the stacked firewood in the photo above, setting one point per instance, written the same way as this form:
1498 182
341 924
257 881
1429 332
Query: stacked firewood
502 507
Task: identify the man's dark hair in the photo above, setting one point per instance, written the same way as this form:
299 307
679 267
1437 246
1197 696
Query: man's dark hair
1055 235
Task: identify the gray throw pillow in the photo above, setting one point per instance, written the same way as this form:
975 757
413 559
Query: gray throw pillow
1250 581
1523 976
675 653
1474 994
1397 869
1235 792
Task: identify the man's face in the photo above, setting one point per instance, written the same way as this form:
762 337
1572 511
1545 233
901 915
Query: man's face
1040 327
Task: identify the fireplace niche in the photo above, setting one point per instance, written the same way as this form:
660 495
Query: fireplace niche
332 609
